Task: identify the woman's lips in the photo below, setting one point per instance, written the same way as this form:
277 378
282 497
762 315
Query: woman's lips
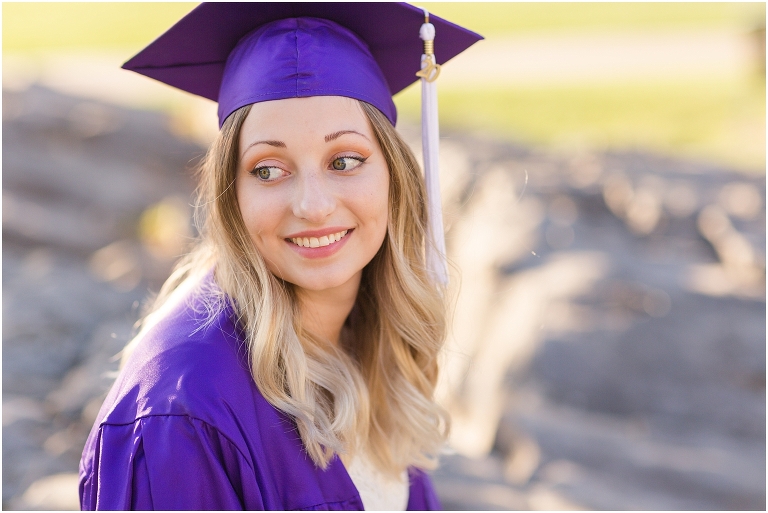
321 246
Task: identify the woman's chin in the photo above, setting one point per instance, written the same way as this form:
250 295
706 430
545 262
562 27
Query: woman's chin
321 282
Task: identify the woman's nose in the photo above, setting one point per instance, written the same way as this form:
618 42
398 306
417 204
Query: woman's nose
314 200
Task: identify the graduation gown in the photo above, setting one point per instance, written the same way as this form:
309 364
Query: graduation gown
185 427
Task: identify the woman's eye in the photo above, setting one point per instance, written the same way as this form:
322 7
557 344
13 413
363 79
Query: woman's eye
346 163
267 173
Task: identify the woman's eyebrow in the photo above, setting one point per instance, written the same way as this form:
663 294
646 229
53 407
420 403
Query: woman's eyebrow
276 144
336 135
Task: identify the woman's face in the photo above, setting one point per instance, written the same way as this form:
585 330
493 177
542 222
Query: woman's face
313 186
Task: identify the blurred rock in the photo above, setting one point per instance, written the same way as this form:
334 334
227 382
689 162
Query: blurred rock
78 176
626 314
57 492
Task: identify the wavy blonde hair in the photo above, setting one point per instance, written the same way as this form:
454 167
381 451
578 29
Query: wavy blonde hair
376 391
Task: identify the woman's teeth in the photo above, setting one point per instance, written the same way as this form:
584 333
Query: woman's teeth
318 242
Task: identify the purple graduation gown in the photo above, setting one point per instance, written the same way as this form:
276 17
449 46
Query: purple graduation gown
185 428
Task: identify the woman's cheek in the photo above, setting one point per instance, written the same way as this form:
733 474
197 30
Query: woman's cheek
374 204
384 201
259 208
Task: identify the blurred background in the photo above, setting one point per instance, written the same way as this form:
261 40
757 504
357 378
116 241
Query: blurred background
603 179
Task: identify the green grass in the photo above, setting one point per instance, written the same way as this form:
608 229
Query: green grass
30 26
494 18
720 121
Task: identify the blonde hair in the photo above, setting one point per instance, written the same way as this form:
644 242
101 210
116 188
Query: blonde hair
374 392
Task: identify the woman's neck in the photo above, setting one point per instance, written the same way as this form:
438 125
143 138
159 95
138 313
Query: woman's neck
323 312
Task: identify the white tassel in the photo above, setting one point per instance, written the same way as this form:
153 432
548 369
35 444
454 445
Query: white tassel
430 137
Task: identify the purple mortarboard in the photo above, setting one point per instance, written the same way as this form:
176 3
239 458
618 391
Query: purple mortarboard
242 53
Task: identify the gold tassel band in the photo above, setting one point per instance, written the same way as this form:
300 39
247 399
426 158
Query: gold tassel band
429 47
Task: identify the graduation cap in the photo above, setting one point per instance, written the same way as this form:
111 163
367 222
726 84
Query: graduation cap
242 53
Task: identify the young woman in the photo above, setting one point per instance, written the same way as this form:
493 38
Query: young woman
290 361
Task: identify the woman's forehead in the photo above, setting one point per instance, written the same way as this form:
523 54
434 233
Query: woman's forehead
316 116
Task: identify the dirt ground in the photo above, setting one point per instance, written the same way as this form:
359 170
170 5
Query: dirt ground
608 340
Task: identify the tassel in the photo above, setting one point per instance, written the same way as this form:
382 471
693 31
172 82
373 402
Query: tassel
430 137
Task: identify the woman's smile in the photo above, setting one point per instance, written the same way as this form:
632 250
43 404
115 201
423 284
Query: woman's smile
321 244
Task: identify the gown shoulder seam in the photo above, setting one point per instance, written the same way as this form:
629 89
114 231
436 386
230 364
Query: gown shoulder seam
190 417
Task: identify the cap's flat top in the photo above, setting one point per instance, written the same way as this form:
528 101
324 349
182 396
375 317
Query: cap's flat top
191 55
